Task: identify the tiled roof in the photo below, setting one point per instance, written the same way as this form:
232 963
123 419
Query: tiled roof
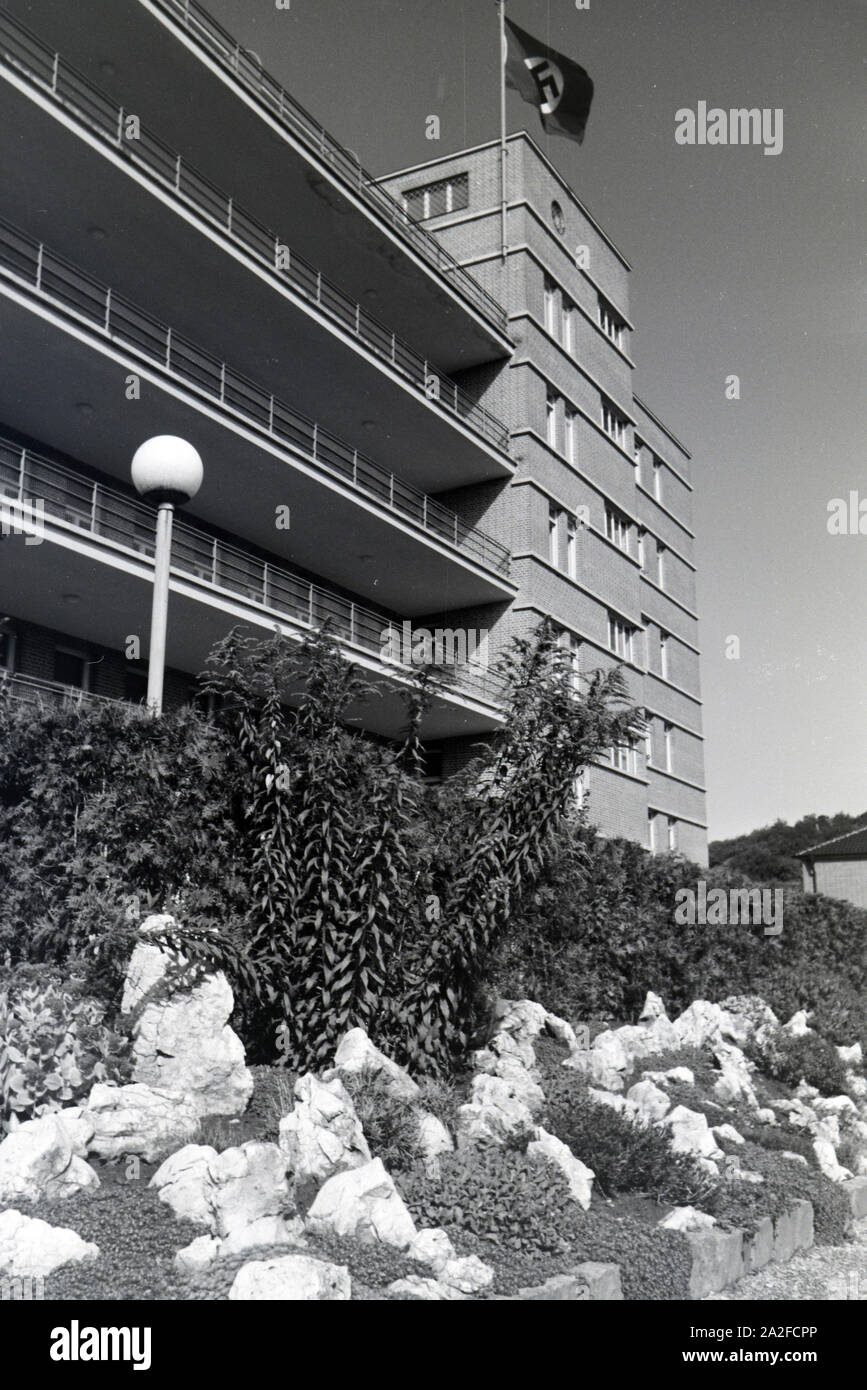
854 843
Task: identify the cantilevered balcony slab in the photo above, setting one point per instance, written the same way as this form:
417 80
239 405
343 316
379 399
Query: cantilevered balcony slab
90 576
135 214
170 64
67 383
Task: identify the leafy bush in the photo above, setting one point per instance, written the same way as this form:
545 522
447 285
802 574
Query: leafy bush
810 1058
499 1195
625 1156
390 1123
831 1210
54 1045
443 1099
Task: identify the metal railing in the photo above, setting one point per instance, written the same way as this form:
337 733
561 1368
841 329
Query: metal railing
243 66
28 479
88 105
31 690
116 318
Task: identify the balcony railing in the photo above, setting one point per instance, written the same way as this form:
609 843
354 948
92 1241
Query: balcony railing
87 104
119 320
242 65
28 480
30 690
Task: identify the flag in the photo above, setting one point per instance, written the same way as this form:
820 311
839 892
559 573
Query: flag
558 87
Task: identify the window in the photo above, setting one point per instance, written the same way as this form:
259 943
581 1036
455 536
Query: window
648 742
663 655
551 419
436 199
554 536
569 421
70 667
617 527
610 322
568 335
569 643
651 831
613 423
558 218
620 637
668 732
572 548
550 306
657 480
624 756
641 537
135 683
660 565
672 834
637 446
578 791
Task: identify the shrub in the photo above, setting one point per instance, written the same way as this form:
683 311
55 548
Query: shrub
831 1210
443 1099
390 1123
625 1156
810 1058
54 1045
499 1195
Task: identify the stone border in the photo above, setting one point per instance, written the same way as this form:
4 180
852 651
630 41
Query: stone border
720 1258
590 1282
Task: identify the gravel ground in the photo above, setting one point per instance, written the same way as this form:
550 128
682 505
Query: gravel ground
827 1272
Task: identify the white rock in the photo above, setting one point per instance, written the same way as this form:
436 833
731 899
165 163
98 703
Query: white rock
835 1105
521 1081
684 1075
363 1203
826 1158
432 1247
614 1102
225 1192
577 1174
493 1112
182 1042
857 1084
34 1249
690 1132
750 1017
734 1082
356 1053
727 1132
323 1134
139 1120
653 1008
797 1025
853 1056
746 1175
686 1219
804 1091
198 1255
427 1290
702 1023
468 1275
266 1232
766 1115
794 1158
434 1139
298 1278
42 1158
652 1101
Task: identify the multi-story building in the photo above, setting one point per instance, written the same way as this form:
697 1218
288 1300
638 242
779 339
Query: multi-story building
402 428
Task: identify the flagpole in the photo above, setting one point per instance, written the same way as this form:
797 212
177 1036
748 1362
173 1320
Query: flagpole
504 153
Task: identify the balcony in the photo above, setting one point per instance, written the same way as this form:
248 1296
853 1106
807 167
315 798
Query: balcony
40 495
371 515
39 694
180 71
85 119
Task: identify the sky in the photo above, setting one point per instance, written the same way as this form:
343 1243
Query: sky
743 263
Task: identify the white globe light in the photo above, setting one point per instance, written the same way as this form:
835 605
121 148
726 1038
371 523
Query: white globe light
167 468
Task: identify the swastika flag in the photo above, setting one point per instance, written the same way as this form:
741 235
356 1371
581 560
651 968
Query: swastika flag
560 89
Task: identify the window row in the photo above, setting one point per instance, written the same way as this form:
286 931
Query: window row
648 468
661 832
559 315
612 325
563 527
621 641
436 199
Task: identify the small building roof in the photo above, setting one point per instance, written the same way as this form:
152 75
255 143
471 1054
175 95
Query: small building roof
851 845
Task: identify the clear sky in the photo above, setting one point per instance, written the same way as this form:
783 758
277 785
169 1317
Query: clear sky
742 263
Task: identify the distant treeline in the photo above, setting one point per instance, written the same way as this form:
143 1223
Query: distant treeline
768 854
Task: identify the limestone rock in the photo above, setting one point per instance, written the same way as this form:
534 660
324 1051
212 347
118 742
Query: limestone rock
426 1290
702 1023
298 1278
734 1082
577 1174
226 1192
686 1219
433 1248
797 1026
363 1203
728 1132
652 1101
690 1133
493 1112
263 1233
826 1158
356 1053
750 1016
182 1042
323 1134
852 1056
136 1119
653 1008
522 1084
682 1075
43 1158
467 1275
434 1139
34 1249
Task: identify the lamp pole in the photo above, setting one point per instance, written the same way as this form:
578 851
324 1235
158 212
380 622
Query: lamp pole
167 471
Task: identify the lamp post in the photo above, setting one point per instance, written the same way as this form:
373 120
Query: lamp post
168 472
